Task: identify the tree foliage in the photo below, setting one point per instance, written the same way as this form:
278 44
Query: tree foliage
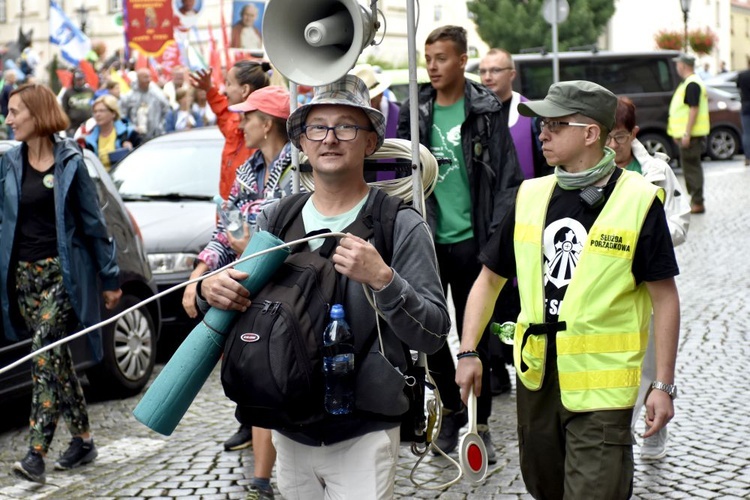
519 24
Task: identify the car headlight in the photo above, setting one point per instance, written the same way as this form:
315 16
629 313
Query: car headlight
163 263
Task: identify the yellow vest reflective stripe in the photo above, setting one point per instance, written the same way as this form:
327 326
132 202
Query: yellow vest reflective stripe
679 111
599 353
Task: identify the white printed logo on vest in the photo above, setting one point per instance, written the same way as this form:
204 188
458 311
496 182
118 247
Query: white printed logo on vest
563 243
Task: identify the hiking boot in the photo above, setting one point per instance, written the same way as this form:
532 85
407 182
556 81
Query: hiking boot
255 493
31 468
655 447
484 433
447 440
243 438
79 452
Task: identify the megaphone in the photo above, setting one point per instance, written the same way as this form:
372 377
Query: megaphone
315 42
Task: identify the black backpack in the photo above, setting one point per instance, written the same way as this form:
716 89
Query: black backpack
272 364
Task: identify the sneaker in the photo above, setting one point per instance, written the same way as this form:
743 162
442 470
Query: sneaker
243 438
31 468
484 433
447 440
255 493
79 453
655 447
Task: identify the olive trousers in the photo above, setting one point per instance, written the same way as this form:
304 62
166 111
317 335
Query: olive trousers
572 455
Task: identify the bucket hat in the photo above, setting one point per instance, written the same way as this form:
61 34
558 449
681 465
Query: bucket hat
350 91
376 82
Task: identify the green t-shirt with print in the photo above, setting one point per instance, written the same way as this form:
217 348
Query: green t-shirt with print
452 188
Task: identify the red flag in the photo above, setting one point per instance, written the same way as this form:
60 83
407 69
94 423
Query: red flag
90 73
225 38
141 62
169 59
65 77
153 69
214 60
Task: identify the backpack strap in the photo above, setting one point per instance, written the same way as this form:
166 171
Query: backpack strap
288 208
286 223
383 219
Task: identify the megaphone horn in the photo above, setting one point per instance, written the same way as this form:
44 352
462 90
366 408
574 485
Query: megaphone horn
332 30
317 41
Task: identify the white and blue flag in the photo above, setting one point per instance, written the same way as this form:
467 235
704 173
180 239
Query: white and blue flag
73 43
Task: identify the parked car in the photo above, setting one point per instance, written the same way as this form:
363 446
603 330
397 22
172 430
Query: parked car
168 184
129 343
648 78
399 79
726 82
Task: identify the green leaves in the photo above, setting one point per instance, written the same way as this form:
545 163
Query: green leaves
518 24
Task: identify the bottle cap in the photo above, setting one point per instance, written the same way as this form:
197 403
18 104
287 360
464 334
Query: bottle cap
337 311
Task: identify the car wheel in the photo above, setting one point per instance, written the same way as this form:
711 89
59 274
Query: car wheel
129 352
723 144
657 143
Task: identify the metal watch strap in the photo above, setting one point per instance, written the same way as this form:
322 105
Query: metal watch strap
670 389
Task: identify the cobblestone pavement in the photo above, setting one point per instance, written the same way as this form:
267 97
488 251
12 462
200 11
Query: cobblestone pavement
708 455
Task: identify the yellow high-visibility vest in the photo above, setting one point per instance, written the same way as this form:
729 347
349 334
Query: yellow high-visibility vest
679 111
600 351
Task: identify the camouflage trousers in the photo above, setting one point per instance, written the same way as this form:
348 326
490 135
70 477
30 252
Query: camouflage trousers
46 310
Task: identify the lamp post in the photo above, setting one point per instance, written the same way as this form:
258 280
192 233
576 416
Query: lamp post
83 15
685 4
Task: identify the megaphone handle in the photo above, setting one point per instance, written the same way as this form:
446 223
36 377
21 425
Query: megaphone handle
472 409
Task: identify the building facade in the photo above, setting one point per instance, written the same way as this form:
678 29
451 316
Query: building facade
629 28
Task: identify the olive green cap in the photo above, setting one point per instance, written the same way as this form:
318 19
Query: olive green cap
576 96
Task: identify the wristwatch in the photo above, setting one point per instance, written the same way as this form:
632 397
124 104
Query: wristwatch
670 389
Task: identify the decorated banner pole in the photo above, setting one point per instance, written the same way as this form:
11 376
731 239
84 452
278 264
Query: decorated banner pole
173 391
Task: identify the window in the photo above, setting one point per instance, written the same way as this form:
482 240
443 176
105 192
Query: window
438 13
620 75
3 12
115 5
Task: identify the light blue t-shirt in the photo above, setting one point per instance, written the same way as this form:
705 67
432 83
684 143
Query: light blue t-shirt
314 220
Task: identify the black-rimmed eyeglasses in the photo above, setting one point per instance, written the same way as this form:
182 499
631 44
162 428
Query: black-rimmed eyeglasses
620 138
318 133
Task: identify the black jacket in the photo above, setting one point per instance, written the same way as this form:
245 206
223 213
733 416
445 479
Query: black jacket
489 155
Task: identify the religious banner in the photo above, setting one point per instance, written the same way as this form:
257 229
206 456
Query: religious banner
246 39
149 26
186 13
247 23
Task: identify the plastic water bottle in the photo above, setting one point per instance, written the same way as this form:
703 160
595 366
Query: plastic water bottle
506 331
338 368
231 217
